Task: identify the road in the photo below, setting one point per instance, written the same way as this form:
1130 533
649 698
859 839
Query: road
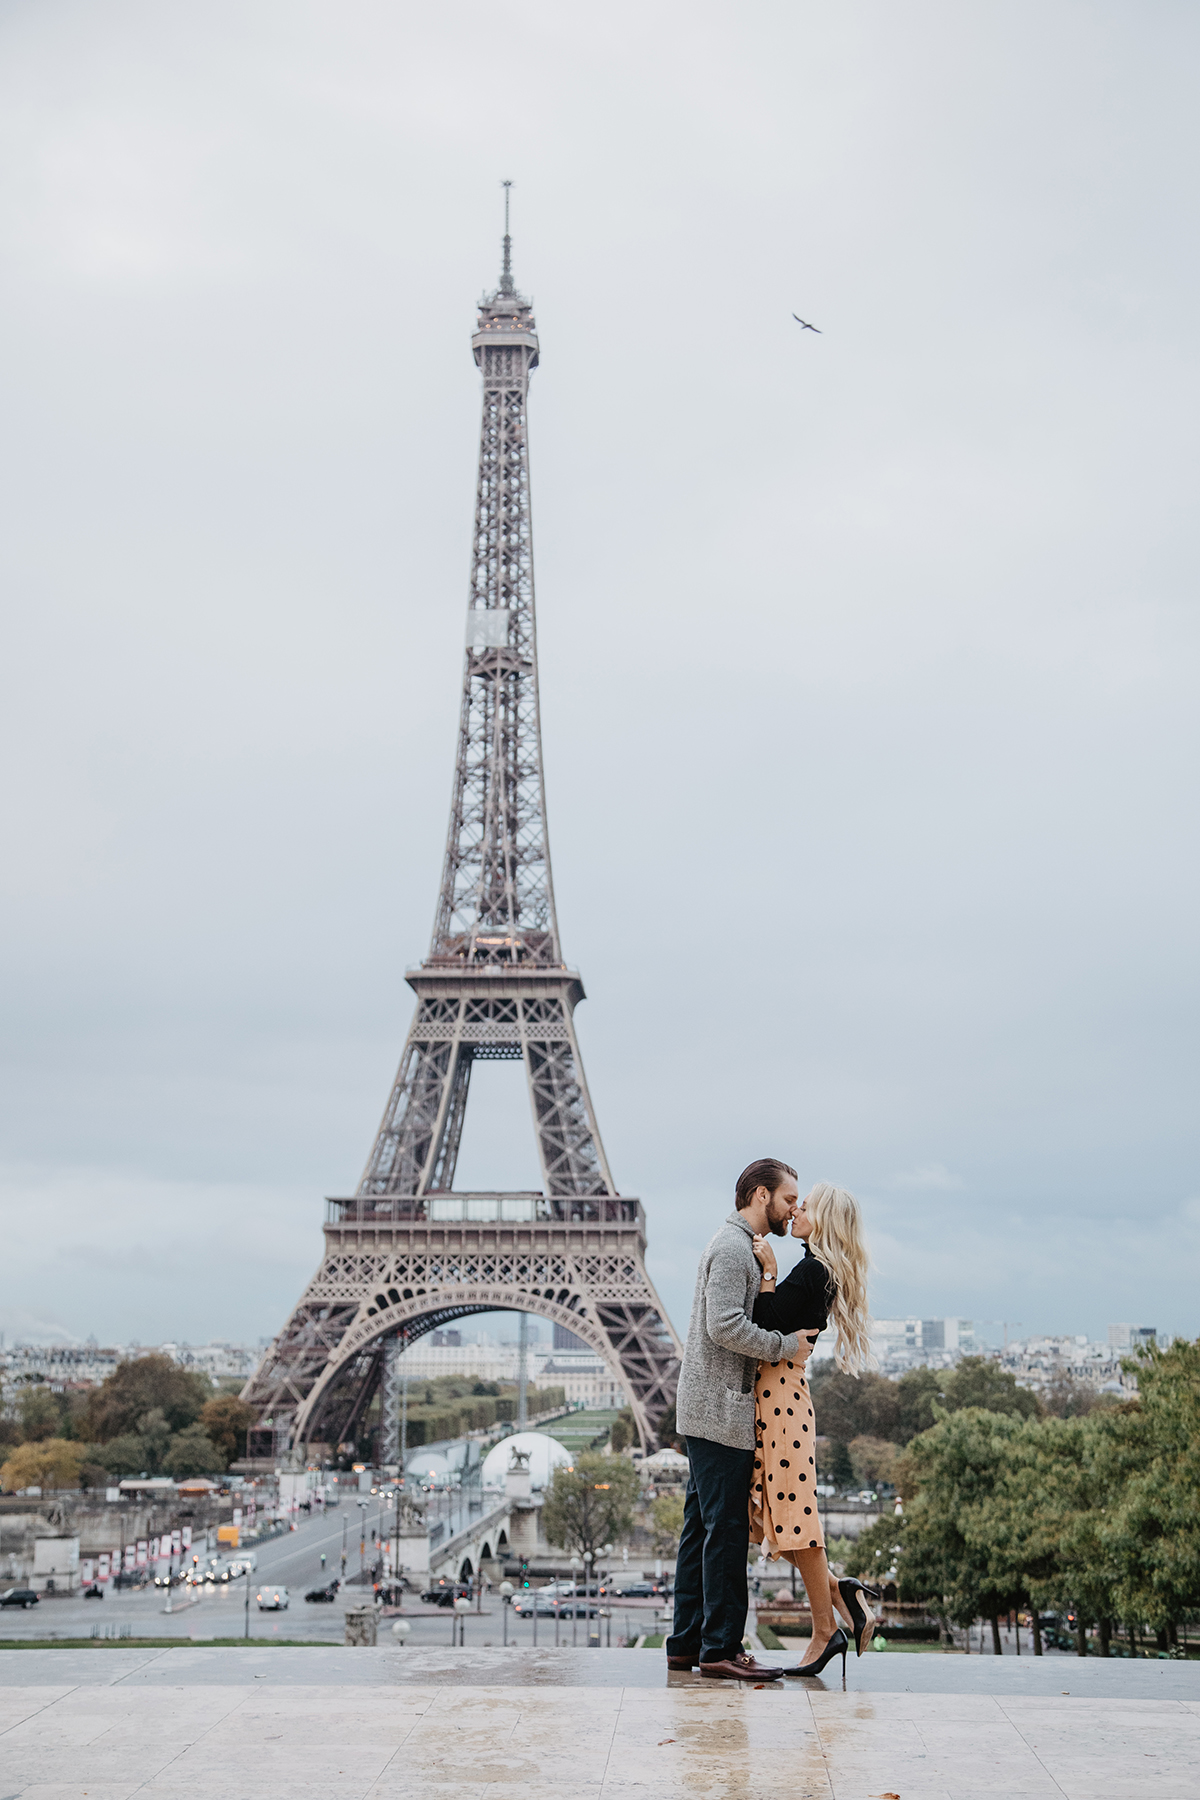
293 1560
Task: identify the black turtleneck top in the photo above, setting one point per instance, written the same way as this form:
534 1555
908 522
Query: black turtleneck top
801 1300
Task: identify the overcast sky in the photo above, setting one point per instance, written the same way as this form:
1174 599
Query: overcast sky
869 659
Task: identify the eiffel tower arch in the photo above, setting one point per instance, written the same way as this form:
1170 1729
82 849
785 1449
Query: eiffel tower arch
407 1252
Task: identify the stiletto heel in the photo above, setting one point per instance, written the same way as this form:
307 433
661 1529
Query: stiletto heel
837 1646
864 1622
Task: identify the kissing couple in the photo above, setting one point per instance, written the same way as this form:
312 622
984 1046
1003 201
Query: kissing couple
743 1406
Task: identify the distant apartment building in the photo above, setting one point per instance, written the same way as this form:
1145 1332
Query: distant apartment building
901 1344
1131 1337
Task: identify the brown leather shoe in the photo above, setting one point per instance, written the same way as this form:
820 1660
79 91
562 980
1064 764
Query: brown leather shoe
681 1662
740 1668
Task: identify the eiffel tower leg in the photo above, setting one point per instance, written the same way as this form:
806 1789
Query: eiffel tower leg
416 1146
569 1146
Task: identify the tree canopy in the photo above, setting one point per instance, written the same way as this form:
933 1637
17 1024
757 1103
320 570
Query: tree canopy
141 1385
590 1504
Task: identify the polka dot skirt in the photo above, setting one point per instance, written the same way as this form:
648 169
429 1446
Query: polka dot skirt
784 1515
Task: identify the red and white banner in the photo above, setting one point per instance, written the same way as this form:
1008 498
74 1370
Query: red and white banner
187 1537
102 1571
87 1571
143 1552
177 1542
130 1558
153 1550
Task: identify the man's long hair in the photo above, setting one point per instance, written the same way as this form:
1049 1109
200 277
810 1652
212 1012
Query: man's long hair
837 1240
767 1172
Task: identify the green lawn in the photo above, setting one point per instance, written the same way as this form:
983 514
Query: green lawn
576 1430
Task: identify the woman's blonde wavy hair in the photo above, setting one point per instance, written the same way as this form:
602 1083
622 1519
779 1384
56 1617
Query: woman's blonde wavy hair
837 1239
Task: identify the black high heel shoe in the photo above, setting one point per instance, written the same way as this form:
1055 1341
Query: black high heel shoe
838 1644
864 1622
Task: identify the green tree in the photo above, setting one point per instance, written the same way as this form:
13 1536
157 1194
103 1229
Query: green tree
850 1406
918 1392
873 1461
142 1385
666 1515
40 1413
592 1503
977 1381
139 1452
623 1431
192 1452
226 1420
1148 1465
949 1477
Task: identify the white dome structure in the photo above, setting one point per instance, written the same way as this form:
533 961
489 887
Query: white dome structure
545 1455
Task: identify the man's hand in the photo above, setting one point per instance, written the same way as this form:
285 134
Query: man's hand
766 1256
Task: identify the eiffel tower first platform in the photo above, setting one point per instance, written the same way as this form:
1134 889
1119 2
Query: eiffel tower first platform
407 1252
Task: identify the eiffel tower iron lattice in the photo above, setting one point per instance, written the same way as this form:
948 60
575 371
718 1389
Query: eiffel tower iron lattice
407 1253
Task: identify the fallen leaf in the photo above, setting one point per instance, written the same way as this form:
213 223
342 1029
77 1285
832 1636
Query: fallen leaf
759 1684
663 1741
888 1796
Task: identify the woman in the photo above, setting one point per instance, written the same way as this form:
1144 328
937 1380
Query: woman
829 1281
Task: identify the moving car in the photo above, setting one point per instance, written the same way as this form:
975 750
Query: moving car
322 1594
18 1597
21 1597
640 1590
446 1593
271 1598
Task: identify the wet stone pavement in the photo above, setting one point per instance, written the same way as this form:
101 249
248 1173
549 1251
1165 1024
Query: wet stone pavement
235 1724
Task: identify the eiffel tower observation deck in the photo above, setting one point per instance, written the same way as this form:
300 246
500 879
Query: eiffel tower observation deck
407 1252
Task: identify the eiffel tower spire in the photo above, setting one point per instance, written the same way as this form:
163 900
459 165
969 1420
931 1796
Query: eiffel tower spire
497 894
406 1252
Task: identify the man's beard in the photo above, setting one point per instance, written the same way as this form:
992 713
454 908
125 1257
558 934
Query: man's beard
779 1227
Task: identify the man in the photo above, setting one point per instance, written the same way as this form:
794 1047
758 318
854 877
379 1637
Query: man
715 1413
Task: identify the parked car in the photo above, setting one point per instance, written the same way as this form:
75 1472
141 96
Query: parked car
21 1597
640 1590
271 1598
323 1594
94 1592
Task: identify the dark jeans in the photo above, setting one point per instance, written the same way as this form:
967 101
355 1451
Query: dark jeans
711 1599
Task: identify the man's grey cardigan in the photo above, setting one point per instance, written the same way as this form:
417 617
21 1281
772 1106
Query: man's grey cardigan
724 1345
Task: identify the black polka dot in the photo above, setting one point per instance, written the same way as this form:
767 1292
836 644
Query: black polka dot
779 1496
776 1412
789 1365
795 1446
808 1509
796 1529
812 1543
758 1487
804 1428
766 1393
783 1463
810 1458
790 1414
791 1496
758 1465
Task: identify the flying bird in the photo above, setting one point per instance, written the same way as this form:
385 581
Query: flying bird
806 324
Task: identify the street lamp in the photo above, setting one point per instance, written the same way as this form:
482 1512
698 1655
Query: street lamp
400 1631
574 1595
506 1594
458 1622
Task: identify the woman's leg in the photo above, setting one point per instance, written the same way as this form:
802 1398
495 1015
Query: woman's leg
814 1571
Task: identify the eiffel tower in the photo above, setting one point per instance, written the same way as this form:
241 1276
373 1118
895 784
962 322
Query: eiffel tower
407 1252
